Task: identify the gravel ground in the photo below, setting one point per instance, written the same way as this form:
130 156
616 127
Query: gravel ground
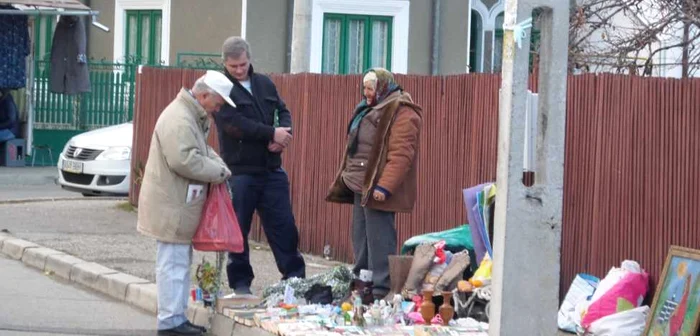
104 231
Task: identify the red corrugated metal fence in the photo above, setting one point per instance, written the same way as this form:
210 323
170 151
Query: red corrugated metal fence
631 169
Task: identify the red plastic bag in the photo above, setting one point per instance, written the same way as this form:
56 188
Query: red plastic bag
218 229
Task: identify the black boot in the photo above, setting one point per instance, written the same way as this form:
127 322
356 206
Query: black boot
182 330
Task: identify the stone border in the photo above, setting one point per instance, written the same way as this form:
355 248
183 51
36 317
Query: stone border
132 290
60 199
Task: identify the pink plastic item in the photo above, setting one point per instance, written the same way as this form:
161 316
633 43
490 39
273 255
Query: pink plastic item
437 320
624 295
416 318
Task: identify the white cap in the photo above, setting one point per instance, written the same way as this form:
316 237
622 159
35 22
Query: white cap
220 84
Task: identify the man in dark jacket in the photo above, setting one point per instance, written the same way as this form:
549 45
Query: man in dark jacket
252 137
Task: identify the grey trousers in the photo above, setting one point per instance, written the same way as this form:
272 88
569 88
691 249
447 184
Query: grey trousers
373 240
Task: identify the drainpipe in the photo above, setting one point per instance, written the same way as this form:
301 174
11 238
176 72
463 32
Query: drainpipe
435 57
86 22
290 27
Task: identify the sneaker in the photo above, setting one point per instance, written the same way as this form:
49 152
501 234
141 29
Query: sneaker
181 330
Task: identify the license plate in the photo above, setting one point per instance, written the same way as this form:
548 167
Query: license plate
72 166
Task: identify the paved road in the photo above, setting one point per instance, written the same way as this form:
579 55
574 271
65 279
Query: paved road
32 303
103 232
97 230
31 182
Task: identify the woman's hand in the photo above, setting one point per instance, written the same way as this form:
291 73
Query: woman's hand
379 196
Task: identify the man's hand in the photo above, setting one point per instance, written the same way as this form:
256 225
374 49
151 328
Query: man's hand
282 136
379 196
275 147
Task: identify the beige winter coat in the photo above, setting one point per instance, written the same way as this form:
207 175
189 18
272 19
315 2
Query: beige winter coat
179 156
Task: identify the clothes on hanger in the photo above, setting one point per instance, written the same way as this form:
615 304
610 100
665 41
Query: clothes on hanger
69 69
14 48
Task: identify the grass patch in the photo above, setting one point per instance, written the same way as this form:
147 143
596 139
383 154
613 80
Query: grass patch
126 206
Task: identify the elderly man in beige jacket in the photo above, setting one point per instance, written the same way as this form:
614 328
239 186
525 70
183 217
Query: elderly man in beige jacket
179 169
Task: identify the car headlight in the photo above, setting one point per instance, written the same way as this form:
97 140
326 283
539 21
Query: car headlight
115 153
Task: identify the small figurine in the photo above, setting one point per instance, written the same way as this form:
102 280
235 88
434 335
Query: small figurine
358 317
376 314
397 302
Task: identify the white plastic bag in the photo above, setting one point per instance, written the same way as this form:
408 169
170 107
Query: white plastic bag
583 286
614 276
626 323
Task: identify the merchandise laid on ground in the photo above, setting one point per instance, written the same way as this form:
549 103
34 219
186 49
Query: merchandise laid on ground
436 288
336 303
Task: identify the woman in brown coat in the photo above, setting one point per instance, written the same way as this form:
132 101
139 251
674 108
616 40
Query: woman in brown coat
378 172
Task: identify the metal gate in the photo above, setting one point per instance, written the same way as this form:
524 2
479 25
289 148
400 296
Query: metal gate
58 117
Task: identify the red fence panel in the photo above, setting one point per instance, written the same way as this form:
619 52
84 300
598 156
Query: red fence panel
631 167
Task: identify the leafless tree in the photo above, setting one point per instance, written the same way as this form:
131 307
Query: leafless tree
626 35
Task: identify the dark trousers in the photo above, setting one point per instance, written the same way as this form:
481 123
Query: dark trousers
268 193
373 240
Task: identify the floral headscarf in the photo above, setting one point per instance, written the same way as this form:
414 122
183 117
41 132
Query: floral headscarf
384 85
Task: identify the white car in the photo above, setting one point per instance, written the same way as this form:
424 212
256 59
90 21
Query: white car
98 162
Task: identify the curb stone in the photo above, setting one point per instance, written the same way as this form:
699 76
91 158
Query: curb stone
87 274
144 296
132 290
60 199
36 257
116 285
61 264
14 247
3 238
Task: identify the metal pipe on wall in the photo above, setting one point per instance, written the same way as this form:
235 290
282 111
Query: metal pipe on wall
435 56
290 35
48 12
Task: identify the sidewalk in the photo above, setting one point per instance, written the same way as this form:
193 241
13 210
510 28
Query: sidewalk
104 232
33 183
28 175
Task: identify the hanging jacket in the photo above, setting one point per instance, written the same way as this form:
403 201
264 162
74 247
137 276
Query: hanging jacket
69 69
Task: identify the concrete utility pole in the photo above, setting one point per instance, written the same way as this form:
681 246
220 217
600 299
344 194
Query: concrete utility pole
527 233
301 36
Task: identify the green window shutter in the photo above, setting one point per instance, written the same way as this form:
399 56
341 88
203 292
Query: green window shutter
143 36
354 43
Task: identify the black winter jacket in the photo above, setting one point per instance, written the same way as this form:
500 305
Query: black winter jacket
246 130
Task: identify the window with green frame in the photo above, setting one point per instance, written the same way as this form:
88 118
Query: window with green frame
475 52
355 43
143 36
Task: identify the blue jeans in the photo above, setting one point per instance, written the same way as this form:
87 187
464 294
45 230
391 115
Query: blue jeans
173 283
268 193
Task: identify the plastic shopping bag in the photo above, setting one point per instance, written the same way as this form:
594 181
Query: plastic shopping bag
583 286
627 294
627 323
218 229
